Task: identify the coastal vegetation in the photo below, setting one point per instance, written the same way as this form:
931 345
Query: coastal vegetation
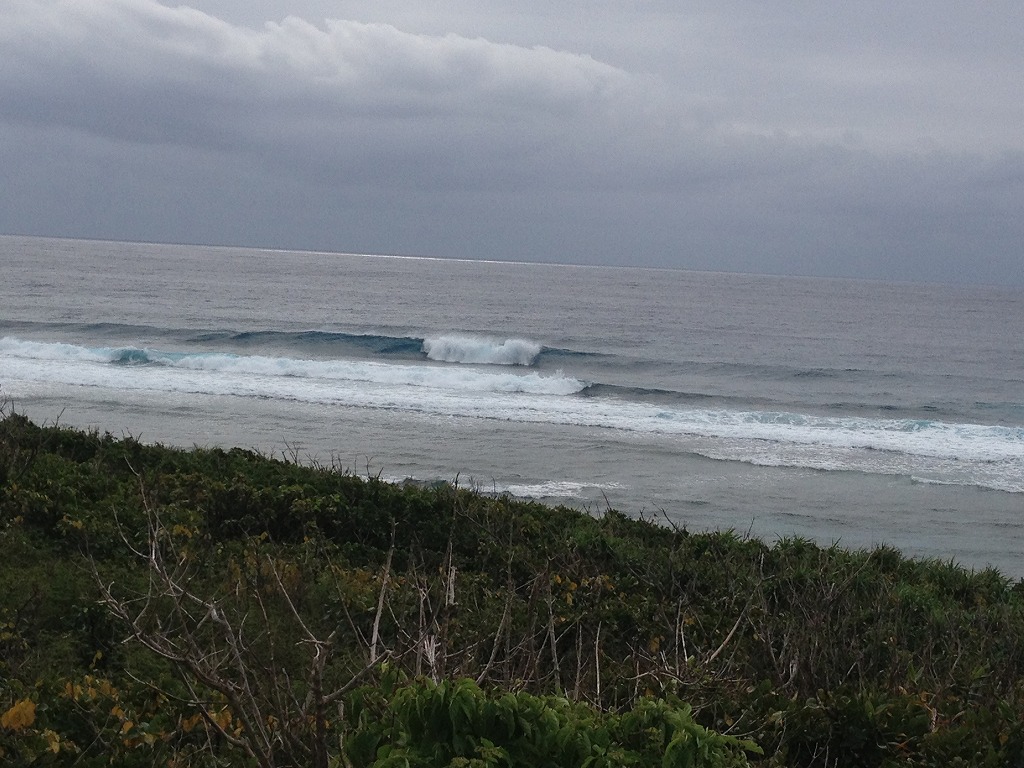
221 607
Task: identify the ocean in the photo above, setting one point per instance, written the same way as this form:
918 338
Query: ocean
844 411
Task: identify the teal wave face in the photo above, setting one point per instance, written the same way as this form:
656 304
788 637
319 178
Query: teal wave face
320 341
131 356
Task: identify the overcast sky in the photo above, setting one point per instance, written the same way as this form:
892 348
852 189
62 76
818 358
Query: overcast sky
867 139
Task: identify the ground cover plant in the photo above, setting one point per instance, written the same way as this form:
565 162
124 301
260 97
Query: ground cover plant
212 607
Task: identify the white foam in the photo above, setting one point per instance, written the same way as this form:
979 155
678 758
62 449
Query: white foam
37 350
970 454
552 489
482 351
386 374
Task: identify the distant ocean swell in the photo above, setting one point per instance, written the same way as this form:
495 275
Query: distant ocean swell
99 366
929 450
462 348
481 350
452 348
449 348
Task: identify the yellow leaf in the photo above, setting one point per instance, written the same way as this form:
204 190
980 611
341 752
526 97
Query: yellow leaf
52 740
21 715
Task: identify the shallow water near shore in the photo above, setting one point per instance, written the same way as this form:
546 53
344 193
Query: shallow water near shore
844 411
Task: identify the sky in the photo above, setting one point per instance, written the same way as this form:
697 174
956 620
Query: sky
869 139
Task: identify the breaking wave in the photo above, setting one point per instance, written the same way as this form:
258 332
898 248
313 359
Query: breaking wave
481 351
262 366
454 347
990 456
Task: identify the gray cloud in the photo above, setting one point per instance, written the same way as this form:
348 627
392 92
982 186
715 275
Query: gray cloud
136 53
757 139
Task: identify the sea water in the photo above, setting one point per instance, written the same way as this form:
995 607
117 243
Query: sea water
846 411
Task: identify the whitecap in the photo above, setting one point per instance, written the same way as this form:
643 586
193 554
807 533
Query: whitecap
481 351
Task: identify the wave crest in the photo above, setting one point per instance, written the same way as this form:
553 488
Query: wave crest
476 350
224 369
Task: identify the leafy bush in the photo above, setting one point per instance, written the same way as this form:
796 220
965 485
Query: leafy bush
818 654
453 724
